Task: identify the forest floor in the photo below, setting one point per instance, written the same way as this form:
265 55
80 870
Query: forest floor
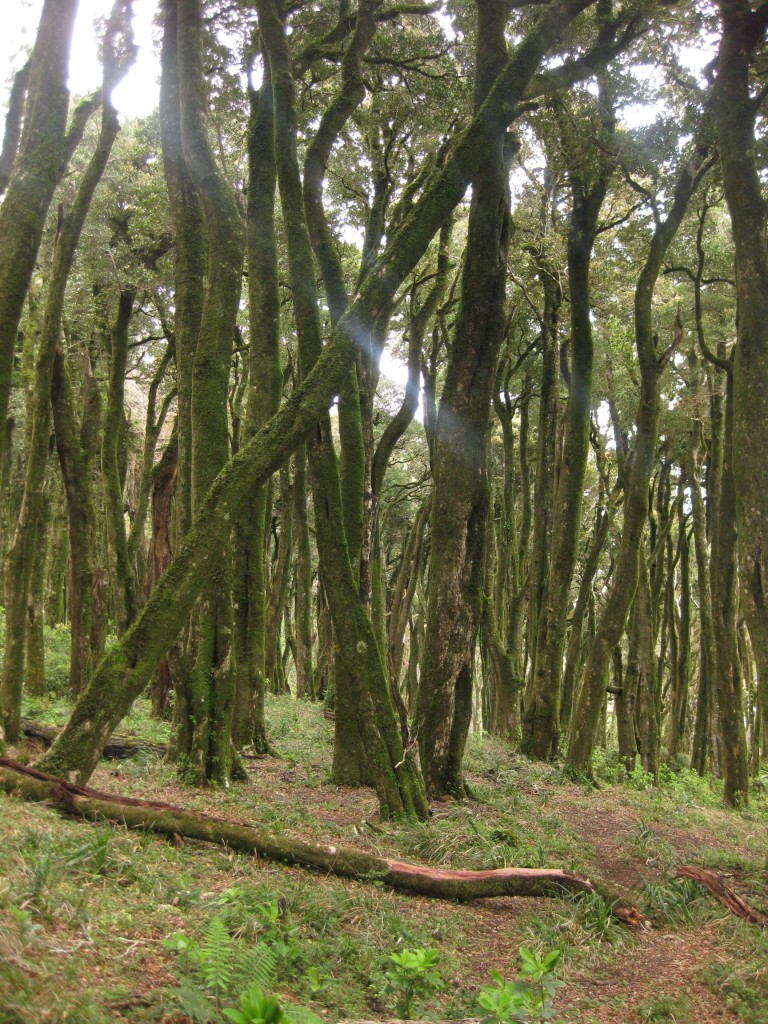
87 911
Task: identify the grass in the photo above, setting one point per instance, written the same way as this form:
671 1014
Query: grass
85 909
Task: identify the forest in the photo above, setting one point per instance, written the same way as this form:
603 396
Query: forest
383 493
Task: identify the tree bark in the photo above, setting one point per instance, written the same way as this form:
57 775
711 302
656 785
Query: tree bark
735 112
460 489
21 556
38 169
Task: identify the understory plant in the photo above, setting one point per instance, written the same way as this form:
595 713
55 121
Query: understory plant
218 969
414 978
529 997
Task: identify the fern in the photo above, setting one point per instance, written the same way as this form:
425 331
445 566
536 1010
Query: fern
216 962
255 965
195 1005
300 1015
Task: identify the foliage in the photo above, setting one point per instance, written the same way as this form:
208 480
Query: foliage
221 966
529 997
413 978
678 901
595 915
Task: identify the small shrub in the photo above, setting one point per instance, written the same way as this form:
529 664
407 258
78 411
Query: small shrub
413 978
529 997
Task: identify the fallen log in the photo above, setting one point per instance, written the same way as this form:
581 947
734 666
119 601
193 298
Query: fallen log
346 862
717 886
117 748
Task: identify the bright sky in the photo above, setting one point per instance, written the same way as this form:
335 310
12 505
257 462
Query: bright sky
136 96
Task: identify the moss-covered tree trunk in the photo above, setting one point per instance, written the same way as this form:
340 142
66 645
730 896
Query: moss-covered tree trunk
392 771
591 692
678 716
546 455
575 652
38 169
460 497
36 681
735 112
205 748
265 383
303 577
26 537
506 650
121 575
729 685
153 425
163 485
541 720
76 448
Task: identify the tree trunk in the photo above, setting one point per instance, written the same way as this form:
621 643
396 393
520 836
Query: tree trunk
541 720
591 693
163 485
265 384
206 754
121 577
460 490
303 577
729 680
76 449
39 165
21 556
735 112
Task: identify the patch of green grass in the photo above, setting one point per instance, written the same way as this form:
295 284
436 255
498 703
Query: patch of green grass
741 972
679 901
666 1010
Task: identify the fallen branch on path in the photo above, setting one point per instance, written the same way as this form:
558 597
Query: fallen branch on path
717 886
346 862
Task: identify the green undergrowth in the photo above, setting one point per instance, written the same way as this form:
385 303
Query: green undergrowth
91 915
